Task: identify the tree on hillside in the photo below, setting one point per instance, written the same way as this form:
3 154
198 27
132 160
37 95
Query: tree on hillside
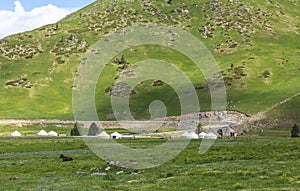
75 130
93 130
199 128
295 130
123 61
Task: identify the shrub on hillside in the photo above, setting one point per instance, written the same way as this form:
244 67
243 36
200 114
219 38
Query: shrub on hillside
295 131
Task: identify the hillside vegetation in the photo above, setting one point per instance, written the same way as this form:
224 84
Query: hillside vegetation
255 43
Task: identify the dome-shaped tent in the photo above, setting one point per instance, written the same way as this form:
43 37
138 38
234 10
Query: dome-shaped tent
103 135
42 133
15 134
53 133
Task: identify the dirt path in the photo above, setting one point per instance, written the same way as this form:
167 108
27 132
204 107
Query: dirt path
27 121
261 115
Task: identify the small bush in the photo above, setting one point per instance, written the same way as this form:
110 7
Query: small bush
75 130
295 131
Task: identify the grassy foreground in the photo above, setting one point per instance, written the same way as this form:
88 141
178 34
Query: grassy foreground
252 162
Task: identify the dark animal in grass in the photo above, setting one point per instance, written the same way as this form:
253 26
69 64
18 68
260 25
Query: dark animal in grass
65 158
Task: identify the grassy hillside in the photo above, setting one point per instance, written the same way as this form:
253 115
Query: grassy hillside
255 43
285 115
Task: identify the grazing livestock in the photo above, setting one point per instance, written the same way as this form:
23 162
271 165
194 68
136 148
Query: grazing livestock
65 158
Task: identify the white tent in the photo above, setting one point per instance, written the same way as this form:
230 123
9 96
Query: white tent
115 135
15 134
202 135
42 133
103 135
210 136
52 133
189 135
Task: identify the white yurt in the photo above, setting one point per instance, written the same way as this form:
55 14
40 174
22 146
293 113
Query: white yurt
189 135
115 135
42 133
202 135
210 136
53 134
15 134
103 135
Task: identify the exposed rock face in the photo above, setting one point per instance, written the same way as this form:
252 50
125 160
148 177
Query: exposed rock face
121 89
21 82
234 119
157 83
20 51
227 115
72 44
224 18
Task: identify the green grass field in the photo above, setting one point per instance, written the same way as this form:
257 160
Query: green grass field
254 161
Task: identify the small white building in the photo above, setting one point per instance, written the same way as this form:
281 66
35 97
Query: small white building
42 133
53 134
210 136
103 135
116 135
15 134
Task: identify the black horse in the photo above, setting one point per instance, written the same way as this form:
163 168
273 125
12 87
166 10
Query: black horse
65 158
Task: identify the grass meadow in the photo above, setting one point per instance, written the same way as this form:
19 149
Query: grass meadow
255 161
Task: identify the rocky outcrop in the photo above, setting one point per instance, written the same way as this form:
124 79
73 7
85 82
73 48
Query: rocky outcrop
233 18
20 50
21 82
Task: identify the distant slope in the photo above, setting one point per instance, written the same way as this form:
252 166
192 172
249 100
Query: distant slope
255 43
284 114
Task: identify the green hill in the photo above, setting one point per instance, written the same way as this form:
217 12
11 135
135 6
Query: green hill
255 43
